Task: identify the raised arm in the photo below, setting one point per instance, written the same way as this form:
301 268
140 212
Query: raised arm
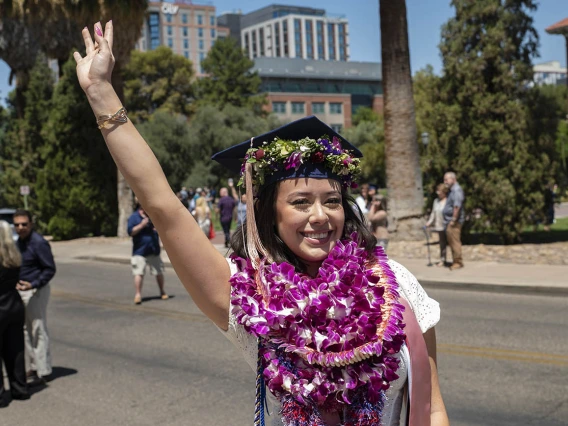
200 267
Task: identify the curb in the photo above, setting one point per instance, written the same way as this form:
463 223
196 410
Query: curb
427 283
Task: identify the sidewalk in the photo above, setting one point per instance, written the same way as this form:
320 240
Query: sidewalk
482 276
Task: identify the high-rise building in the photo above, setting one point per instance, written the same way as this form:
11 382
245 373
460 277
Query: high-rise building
549 73
279 31
188 27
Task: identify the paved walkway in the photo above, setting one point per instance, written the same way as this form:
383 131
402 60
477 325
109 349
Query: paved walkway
486 276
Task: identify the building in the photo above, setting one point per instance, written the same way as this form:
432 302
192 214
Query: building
299 87
189 28
549 73
279 31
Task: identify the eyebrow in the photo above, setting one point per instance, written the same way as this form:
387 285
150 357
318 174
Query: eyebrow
306 194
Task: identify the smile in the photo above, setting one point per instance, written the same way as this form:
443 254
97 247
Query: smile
318 236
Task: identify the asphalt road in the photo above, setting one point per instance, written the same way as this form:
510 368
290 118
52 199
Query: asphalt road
503 359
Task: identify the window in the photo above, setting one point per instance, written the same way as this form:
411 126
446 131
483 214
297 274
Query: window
199 19
154 30
185 31
186 54
298 108
318 107
200 32
201 44
201 56
212 32
277 38
186 44
171 43
335 108
169 18
184 18
212 21
337 128
279 107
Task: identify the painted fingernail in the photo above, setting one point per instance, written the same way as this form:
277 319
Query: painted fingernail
98 30
110 20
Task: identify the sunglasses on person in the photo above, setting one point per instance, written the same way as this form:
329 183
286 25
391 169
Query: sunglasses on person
23 225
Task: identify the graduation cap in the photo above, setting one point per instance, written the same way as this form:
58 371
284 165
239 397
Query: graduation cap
309 127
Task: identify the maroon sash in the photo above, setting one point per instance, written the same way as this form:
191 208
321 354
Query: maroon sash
421 389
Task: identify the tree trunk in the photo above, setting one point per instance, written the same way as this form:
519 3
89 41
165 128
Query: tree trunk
404 178
124 193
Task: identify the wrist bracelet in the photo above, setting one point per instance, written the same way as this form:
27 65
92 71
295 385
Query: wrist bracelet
119 117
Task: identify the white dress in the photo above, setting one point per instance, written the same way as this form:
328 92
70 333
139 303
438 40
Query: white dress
427 313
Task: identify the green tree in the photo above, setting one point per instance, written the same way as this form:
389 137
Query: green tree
77 187
20 156
158 80
212 130
168 136
486 51
229 79
369 136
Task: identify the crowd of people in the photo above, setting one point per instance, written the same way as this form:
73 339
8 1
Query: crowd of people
26 268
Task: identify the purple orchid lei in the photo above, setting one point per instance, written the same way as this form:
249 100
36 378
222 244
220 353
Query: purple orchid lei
327 341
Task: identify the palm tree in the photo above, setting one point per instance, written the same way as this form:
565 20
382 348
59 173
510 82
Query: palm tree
404 178
129 16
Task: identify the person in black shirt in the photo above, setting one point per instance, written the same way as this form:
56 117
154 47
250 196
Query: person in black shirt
38 268
12 316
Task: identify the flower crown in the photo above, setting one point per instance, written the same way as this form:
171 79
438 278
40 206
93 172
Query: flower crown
281 155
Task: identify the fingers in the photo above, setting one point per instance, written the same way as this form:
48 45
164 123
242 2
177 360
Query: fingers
77 57
109 33
88 40
102 43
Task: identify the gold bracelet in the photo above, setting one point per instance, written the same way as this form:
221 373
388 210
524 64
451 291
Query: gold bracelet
119 117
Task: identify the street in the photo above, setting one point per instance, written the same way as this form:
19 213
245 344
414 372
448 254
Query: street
503 358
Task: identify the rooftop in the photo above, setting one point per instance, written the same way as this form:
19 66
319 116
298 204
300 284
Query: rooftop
307 68
560 27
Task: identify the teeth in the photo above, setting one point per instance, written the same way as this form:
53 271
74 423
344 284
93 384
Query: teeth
317 236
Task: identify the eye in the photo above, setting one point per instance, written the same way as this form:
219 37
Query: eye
300 202
333 201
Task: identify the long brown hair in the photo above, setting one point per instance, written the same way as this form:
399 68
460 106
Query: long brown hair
10 256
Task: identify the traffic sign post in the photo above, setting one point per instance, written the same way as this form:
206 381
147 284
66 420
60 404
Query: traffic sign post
25 191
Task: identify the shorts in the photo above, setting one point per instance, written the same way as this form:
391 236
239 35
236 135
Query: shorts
139 264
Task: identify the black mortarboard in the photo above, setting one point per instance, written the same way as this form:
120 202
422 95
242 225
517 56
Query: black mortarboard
309 127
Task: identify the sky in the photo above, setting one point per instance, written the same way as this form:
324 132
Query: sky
425 19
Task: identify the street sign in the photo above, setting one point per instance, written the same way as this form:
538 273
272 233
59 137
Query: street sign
24 190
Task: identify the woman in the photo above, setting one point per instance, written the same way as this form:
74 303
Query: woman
378 219
302 253
12 317
202 215
436 221
363 199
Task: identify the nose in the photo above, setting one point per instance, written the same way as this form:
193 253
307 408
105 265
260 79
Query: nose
318 214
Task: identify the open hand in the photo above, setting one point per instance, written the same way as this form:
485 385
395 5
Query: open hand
96 67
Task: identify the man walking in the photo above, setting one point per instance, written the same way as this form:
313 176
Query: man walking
145 251
225 207
453 218
38 268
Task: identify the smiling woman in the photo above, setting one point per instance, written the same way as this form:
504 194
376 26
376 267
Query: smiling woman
332 327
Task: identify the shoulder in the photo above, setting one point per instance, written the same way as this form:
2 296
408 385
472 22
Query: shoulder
426 309
38 239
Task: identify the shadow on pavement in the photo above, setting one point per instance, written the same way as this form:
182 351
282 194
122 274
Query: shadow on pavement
149 298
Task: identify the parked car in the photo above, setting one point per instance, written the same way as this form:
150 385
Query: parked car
8 215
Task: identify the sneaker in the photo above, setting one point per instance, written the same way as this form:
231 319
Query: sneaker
165 296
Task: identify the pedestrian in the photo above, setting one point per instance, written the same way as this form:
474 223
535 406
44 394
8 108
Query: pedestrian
202 215
331 326
12 319
184 193
378 219
225 208
436 221
241 210
363 200
145 252
37 270
453 218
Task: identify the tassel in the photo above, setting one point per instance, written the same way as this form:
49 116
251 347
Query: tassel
254 247
363 413
296 414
